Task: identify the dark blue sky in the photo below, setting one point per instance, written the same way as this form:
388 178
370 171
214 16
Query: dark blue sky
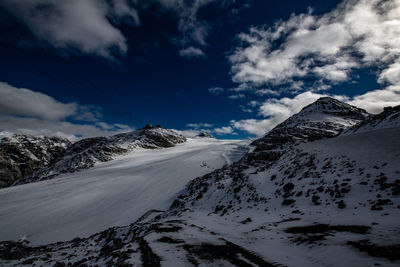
151 82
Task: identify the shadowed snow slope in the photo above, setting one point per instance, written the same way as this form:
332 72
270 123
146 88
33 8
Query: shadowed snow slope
111 193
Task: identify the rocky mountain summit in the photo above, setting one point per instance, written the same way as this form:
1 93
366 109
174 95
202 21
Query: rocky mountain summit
325 118
21 155
205 135
316 191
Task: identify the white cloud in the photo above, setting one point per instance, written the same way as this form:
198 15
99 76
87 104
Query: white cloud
76 24
246 109
191 52
280 109
253 103
263 92
237 96
199 125
252 126
25 102
28 112
216 90
223 130
357 34
374 101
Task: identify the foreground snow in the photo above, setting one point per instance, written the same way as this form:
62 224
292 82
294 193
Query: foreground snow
113 193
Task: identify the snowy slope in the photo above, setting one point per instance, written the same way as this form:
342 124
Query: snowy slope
111 193
86 153
390 117
263 232
326 202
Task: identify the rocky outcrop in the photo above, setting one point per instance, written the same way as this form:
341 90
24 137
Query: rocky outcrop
205 135
21 155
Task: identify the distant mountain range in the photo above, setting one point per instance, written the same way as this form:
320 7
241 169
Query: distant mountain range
320 189
26 159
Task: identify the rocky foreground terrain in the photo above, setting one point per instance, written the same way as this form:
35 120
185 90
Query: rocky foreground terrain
320 189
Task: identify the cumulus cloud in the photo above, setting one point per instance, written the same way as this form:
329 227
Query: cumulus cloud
190 52
357 34
252 126
25 102
28 112
81 25
223 130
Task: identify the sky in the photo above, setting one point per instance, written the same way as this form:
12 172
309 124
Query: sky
233 68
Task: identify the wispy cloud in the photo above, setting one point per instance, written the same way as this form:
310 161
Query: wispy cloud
237 96
191 52
199 125
216 90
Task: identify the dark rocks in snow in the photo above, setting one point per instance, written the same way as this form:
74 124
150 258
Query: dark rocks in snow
21 155
147 127
288 202
390 252
205 135
230 252
325 228
341 204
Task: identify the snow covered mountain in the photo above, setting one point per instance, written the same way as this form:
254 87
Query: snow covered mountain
21 155
86 153
306 196
326 117
390 117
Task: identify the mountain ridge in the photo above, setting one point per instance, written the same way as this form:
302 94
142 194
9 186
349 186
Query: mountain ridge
85 153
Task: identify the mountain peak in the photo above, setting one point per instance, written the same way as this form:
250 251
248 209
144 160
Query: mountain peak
326 117
331 105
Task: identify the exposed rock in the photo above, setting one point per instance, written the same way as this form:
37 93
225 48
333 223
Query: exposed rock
205 135
21 155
